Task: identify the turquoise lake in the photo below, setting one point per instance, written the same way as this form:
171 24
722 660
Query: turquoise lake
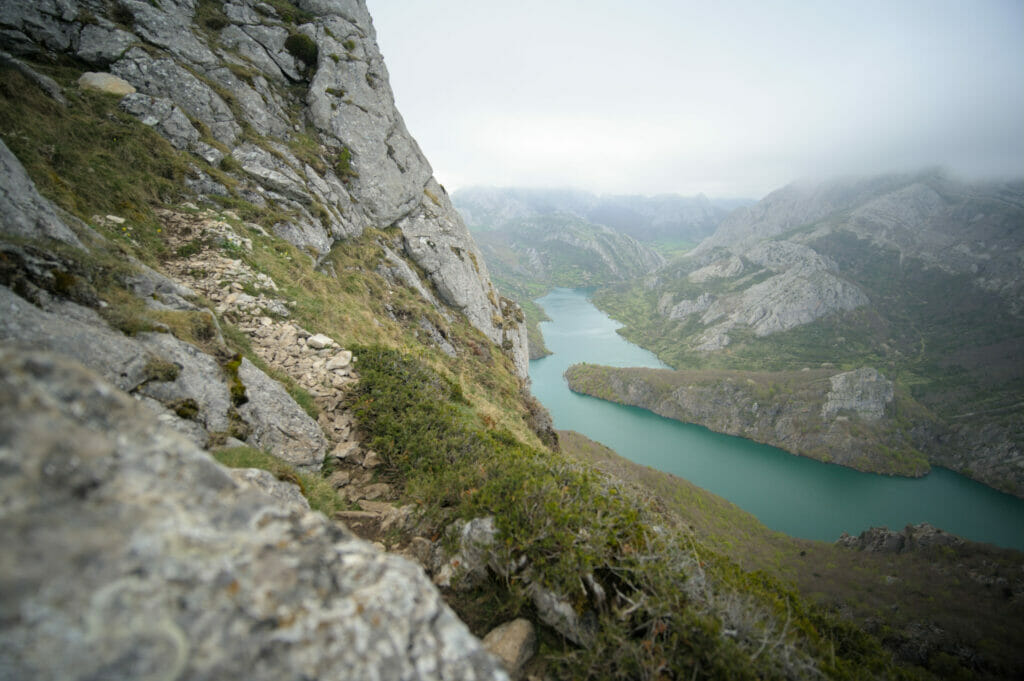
792 494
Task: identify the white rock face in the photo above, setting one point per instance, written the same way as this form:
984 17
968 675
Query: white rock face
722 269
863 391
780 303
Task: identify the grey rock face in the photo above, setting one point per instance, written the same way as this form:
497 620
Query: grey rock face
164 115
910 538
75 332
163 77
863 391
279 425
347 112
792 298
158 564
22 210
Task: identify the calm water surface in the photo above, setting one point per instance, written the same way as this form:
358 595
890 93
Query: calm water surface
792 494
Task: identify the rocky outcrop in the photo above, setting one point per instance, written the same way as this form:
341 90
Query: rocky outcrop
910 538
846 425
23 211
335 159
172 373
864 392
159 564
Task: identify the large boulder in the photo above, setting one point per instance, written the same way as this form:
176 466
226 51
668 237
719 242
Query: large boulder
130 553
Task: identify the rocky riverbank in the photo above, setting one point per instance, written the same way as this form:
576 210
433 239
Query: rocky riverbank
850 418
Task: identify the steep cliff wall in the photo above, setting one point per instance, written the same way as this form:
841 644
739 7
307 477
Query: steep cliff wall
293 104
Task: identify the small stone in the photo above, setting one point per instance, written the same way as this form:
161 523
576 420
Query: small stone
339 479
348 452
376 490
362 523
340 361
114 219
372 459
514 643
420 549
319 341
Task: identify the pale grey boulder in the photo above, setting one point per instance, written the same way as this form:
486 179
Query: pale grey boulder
514 643
159 565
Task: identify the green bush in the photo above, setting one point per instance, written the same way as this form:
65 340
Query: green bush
303 48
343 166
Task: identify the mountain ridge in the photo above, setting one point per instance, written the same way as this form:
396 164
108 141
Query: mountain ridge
915 275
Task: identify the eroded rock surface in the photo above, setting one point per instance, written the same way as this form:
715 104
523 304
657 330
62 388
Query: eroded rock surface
159 564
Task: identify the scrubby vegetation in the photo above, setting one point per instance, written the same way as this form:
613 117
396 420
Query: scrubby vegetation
953 611
672 605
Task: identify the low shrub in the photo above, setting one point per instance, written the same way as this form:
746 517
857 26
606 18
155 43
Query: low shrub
303 48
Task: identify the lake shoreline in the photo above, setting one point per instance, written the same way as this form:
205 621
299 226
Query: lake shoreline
795 495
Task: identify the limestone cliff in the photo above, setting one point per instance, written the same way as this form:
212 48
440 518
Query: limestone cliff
292 103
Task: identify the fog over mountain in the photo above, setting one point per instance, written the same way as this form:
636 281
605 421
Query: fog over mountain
732 99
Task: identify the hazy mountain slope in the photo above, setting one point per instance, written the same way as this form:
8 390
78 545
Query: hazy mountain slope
916 276
534 240
663 218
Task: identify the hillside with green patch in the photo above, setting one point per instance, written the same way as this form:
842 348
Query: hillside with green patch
913 277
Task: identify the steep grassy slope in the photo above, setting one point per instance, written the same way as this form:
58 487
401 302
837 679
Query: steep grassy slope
931 604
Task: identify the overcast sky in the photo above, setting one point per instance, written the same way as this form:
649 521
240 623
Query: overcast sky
722 97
